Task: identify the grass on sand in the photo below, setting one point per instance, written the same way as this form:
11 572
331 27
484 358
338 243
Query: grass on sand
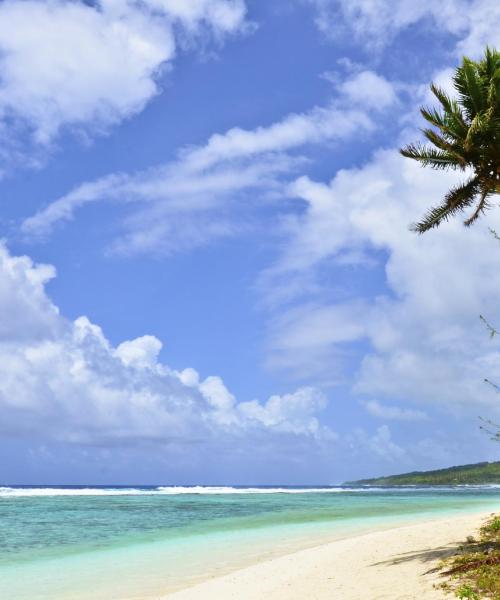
473 573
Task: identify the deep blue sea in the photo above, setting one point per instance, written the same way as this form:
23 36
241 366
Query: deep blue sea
110 543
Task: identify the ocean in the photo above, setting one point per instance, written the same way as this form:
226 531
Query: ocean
125 543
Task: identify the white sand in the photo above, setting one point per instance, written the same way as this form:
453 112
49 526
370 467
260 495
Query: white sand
386 565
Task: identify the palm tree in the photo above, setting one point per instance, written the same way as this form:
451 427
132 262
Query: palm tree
465 136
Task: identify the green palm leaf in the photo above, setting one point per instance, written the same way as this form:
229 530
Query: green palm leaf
430 157
456 200
464 134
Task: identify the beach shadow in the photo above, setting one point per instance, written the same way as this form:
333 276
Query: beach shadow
424 556
436 554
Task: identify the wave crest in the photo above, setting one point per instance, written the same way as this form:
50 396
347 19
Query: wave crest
159 491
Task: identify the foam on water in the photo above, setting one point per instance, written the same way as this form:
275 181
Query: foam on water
173 490
164 490
10 492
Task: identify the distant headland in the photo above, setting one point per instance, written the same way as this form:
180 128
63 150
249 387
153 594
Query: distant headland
475 474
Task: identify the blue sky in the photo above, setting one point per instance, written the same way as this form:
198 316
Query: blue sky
207 274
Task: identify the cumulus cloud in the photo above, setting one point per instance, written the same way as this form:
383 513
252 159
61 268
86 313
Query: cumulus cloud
376 22
425 341
186 203
291 413
369 89
61 63
64 381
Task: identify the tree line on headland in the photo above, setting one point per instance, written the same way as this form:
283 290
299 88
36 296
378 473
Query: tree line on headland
476 474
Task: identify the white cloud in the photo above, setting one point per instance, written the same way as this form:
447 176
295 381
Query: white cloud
291 413
62 63
425 341
63 381
369 89
220 399
308 336
379 445
171 208
141 352
221 15
383 445
482 17
185 203
376 22
28 313
393 413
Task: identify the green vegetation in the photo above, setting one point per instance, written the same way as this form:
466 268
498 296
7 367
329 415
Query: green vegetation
464 136
478 473
474 571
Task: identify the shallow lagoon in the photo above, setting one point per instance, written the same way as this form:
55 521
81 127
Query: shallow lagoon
116 543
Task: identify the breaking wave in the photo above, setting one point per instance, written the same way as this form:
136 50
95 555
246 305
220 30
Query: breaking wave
14 491
161 491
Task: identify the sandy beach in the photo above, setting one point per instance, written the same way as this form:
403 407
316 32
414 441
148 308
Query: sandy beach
386 565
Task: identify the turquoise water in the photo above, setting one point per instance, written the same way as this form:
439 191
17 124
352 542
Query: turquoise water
131 543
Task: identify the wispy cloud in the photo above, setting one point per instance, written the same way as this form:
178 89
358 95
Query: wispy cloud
393 413
184 203
375 23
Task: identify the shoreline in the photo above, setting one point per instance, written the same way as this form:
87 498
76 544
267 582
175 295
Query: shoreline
391 563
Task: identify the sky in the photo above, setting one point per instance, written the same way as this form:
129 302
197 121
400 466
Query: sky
207 274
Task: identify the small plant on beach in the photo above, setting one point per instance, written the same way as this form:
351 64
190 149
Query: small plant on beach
464 135
492 528
465 592
474 571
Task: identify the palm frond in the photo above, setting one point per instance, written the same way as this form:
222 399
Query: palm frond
439 141
430 157
482 205
464 133
443 97
456 200
469 86
479 124
490 63
451 125
452 150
